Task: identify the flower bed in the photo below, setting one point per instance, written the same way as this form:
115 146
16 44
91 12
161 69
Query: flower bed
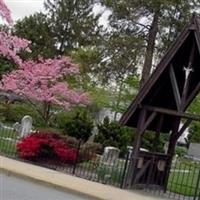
42 145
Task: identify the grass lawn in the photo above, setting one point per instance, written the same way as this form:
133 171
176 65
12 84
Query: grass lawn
8 140
184 182
105 173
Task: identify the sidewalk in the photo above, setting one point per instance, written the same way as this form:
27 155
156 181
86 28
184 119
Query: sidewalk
68 183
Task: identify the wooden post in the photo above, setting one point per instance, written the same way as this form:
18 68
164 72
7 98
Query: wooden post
173 137
157 134
136 149
171 148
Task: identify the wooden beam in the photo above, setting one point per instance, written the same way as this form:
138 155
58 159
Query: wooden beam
187 80
136 148
156 74
157 134
175 87
185 125
172 112
142 171
192 95
148 121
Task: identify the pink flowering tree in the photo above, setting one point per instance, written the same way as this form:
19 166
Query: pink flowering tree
43 83
10 45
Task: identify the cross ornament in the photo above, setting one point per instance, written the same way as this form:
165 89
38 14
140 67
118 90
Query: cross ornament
187 70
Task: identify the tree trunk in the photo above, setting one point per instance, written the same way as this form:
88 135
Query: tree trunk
46 113
118 101
150 49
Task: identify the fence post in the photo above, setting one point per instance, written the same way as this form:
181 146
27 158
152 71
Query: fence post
77 157
197 187
124 172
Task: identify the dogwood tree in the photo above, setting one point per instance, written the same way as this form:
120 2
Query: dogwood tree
40 82
43 82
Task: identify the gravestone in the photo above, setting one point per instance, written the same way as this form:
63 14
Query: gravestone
17 126
110 156
25 127
130 151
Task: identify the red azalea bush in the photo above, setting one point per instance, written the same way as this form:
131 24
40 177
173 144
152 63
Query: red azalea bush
45 145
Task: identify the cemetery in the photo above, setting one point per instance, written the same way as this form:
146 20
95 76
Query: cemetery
56 113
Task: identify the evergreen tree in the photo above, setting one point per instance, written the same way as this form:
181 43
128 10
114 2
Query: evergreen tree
73 23
36 29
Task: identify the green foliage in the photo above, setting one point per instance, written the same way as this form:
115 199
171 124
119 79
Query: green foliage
60 119
181 151
150 142
194 129
72 23
110 133
194 135
6 65
12 113
79 125
36 29
87 57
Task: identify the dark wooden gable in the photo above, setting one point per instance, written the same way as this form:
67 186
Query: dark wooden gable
165 87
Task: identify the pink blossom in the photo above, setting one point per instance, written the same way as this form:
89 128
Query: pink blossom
43 81
10 45
5 12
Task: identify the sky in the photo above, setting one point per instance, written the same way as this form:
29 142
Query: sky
22 8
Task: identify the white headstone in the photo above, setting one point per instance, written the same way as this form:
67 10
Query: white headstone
110 155
130 150
26 125
17 127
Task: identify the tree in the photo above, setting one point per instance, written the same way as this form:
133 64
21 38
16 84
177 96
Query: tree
194 135
73 23
10 46
194 128
152 20
110 133
79 125
36 29
42 81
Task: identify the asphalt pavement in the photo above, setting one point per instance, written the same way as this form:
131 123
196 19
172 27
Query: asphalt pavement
14 188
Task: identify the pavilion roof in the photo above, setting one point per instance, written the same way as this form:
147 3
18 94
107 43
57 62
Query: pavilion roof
164 89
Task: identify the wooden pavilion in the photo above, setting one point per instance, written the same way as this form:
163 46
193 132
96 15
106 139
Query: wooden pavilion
161 105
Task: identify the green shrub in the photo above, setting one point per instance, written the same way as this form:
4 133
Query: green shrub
148 141
181 151
110 133
15 112
88 151
79 125
60 119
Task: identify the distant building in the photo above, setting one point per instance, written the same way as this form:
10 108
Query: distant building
106 112
194 150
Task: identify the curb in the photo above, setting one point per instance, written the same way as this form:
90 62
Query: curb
68 183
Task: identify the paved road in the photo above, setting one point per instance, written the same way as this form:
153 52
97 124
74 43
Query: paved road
13 188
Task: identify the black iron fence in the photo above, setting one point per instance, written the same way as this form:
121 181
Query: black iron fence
179 181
